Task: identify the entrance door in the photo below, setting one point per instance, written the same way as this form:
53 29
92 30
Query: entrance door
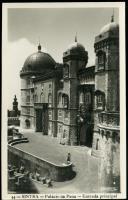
38 120
42 121
86 135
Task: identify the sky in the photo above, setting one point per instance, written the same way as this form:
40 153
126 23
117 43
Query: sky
55 28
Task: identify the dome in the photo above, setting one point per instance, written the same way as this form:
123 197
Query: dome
39 61
113 26
110 27
76 46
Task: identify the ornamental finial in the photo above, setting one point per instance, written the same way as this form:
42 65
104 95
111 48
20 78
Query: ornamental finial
112 17
76 37
39 46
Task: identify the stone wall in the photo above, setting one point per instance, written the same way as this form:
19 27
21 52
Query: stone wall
45 168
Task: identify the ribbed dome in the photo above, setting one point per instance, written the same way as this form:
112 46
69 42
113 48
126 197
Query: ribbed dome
113 26
39 61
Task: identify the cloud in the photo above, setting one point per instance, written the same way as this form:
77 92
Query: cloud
15 55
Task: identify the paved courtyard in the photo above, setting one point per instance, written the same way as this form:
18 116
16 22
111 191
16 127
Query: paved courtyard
85 166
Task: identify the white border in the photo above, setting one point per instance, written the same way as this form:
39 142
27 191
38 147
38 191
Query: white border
121 6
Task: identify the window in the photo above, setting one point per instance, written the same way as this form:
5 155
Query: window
65 101
88 98
50 99
100 99
66 71
81 97
101 60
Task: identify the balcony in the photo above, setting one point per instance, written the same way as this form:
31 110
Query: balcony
109 119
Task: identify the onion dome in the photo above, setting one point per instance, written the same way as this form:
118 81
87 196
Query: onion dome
38 63
77 47
76 51
110 27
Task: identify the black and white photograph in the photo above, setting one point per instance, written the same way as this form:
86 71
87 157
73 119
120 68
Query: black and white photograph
63 101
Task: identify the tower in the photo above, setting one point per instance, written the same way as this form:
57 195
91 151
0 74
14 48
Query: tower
106 136
74 59
34 66
15 104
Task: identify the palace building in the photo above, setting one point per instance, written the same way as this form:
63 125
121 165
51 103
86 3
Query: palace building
77 104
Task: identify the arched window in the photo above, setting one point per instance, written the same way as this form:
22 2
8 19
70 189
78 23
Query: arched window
65 100
101 60
50 99
100 99
66 71
81 98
